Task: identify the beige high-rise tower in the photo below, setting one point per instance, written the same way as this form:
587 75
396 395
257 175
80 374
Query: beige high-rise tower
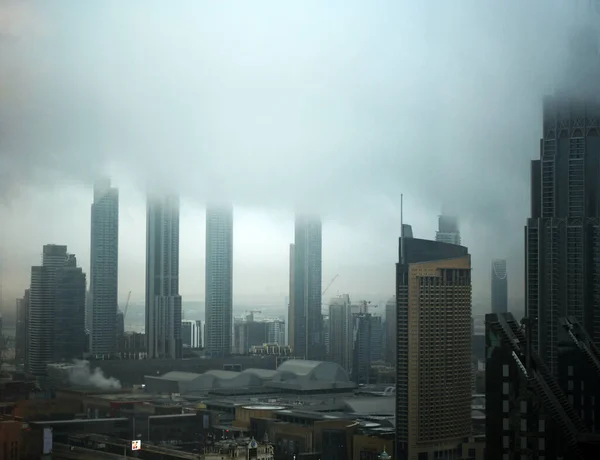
433 395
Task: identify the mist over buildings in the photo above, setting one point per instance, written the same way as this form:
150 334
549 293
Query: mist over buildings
337 107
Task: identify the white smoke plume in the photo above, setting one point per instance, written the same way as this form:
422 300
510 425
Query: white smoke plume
81 374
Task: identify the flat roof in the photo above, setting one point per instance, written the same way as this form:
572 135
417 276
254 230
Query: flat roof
78 420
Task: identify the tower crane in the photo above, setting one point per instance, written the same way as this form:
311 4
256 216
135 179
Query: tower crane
330 283
324 292
126 305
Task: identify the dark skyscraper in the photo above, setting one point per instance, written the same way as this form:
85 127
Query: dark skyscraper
21 329
528 415
499 286
562 236
308 320
56 317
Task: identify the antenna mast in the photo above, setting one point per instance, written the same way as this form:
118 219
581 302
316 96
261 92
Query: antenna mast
402 228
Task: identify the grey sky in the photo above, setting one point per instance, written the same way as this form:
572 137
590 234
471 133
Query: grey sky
337 106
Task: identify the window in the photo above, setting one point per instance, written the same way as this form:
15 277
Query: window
523 424
542 427
505 370
542 443
505 406
523 407
505 424
505 442
505 388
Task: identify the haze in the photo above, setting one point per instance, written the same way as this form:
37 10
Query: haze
338 107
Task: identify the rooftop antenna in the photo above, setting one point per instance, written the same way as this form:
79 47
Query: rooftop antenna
402 229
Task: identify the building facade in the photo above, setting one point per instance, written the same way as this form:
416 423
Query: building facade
340 331
219 280
56 314
433 372
163 302
307 316
104 269
528 415
562 236
448 231
21 329
291 308
562 247
390 331
276 331
191 333
499 286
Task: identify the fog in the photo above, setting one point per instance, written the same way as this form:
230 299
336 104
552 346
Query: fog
336 106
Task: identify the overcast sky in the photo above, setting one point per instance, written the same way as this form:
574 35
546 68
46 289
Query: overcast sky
337 106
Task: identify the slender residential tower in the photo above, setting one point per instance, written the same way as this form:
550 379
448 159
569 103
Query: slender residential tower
163 302
104 269
308 320
219 281
499 286
562 236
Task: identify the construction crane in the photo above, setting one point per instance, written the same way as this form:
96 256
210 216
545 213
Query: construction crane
323 310
330 283
126 305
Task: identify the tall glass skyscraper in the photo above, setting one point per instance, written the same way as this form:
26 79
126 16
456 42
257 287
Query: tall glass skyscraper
104 269
219 281
307 318
163 302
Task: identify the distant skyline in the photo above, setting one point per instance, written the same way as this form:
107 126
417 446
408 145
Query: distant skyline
261 252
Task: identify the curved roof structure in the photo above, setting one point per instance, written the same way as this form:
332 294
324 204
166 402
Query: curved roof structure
297 375
311 370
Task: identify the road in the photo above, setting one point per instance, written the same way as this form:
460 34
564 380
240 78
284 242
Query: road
64 452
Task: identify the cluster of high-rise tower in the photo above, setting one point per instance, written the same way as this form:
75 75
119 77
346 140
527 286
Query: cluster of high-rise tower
57 320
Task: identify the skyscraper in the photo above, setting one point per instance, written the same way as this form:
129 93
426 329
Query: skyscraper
219 280
499 286
191 333
340 331
291 310
163 302
433 372
308 322
448 231
56 316
390 330
21 329
104 269
562 236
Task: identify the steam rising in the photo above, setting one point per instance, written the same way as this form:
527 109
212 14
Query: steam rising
81 374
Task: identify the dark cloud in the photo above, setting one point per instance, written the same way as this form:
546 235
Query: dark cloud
338 106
